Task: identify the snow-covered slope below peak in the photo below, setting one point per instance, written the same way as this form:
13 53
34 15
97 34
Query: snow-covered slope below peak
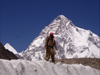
24 67
10 48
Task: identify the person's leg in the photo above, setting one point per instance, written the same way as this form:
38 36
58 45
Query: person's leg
53 59
47 54
52 52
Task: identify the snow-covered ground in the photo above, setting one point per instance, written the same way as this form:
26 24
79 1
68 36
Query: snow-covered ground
25 67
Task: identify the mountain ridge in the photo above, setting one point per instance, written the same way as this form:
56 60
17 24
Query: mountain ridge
6 54
10 48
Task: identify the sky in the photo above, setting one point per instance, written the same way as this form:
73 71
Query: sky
21 21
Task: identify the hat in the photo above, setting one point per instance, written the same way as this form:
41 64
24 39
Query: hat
51 33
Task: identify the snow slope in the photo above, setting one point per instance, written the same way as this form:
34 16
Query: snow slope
72 41
24 67
10 48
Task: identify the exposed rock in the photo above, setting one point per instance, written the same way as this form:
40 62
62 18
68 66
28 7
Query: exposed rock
6 54
92 62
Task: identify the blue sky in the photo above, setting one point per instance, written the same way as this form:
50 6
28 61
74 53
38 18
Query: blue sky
21 21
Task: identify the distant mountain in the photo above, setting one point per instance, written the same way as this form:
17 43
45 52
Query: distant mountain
72 41
10 48
6 54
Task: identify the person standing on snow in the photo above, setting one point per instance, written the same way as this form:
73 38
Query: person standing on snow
49 45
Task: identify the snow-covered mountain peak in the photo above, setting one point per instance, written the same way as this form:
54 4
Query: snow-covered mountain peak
60 21
72 41
10 48
61 17
59 25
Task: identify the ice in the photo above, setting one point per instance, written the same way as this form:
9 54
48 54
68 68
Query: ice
25 67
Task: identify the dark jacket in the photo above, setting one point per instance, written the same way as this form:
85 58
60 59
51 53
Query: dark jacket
50 42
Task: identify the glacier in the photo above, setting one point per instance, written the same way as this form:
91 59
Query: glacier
25 67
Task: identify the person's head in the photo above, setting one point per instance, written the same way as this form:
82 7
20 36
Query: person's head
51 35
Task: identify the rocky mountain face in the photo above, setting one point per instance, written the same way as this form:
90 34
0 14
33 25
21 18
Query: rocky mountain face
6 54
72 41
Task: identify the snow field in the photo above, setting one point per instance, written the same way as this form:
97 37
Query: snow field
25 67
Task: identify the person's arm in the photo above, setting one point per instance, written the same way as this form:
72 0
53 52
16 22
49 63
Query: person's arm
46 42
